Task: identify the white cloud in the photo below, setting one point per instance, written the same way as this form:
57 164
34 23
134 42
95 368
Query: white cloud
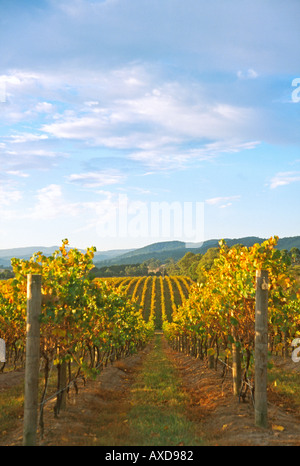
96 179
149 117
222 202
232 146
92 103
44 107
27 137
17 173
51 204
170 157
48 202
284 178
80 128
133 107
160 123
180 114
24 160
249 74
9 196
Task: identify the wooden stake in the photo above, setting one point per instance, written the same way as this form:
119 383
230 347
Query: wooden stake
261 348
236 368
34 300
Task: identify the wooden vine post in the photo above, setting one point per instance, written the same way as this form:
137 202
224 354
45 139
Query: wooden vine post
236 364
261 348
34 301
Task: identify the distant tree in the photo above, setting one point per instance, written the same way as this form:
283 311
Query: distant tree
152 263
193 269
171 267
295 255
5 274
206 262
142 269
188 264
286 255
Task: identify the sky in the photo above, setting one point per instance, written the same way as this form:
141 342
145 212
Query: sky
127 122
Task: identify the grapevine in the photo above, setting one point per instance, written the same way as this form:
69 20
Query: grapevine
136 288
83 322
163 303
220 312
155 295
153 300
145 287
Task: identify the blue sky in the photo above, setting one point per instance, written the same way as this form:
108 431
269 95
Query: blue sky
152 101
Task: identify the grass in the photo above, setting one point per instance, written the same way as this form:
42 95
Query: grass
11 407
286 384
157 414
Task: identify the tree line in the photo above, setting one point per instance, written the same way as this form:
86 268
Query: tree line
190 265
148 267
5 273
195 266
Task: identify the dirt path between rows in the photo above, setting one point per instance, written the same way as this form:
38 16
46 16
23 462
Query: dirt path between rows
97 415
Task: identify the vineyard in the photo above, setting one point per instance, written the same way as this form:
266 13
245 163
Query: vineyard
220 312
157 297
87 323
219 320
83 324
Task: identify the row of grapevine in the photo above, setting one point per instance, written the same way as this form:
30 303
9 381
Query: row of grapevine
157 297
218 318
83 323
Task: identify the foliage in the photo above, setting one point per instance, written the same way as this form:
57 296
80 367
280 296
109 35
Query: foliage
77 313
193 265
123 270
5 274
221 309
156 297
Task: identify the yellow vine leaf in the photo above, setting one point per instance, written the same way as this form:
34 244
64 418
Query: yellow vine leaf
277 428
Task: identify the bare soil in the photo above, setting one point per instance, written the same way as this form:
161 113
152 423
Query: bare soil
97 415
224 420
9 379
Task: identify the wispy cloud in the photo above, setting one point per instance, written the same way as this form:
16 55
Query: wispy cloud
222 202
44 107
284 179
18 173
27 137
153 121
249 74
9 196
51 204
96 179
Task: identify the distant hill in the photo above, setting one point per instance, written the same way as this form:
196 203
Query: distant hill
289 243
26 253
162 250
177 249
23 253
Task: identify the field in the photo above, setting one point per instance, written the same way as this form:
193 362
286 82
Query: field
152 360
157 297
